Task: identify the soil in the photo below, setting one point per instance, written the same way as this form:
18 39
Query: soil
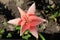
8 11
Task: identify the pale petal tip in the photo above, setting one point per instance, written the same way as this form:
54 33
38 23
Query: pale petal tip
37 37
18 7
34 3
31 9
20 34
9 22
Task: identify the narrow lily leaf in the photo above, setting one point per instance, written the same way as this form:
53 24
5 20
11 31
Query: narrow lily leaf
41 36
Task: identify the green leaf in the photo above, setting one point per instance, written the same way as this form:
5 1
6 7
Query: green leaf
4 23
2 31
26 32
42 37
26 35
17 27
54 15
9 35
49 6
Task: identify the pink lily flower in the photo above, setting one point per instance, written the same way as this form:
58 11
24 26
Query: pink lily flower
28 21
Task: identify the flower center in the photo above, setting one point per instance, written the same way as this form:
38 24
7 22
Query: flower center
26 21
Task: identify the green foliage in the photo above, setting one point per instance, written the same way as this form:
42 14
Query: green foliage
17 27
4 23
42 26
2 31
54 15
0 36
49 6
9 35
26 35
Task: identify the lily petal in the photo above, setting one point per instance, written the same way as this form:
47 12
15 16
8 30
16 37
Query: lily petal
33 31
23 27
21 12
31 10
14 21
36 20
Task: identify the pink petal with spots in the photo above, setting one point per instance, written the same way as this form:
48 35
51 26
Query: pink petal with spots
31 10
33 31
14 21
36 20
23 27
21 12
